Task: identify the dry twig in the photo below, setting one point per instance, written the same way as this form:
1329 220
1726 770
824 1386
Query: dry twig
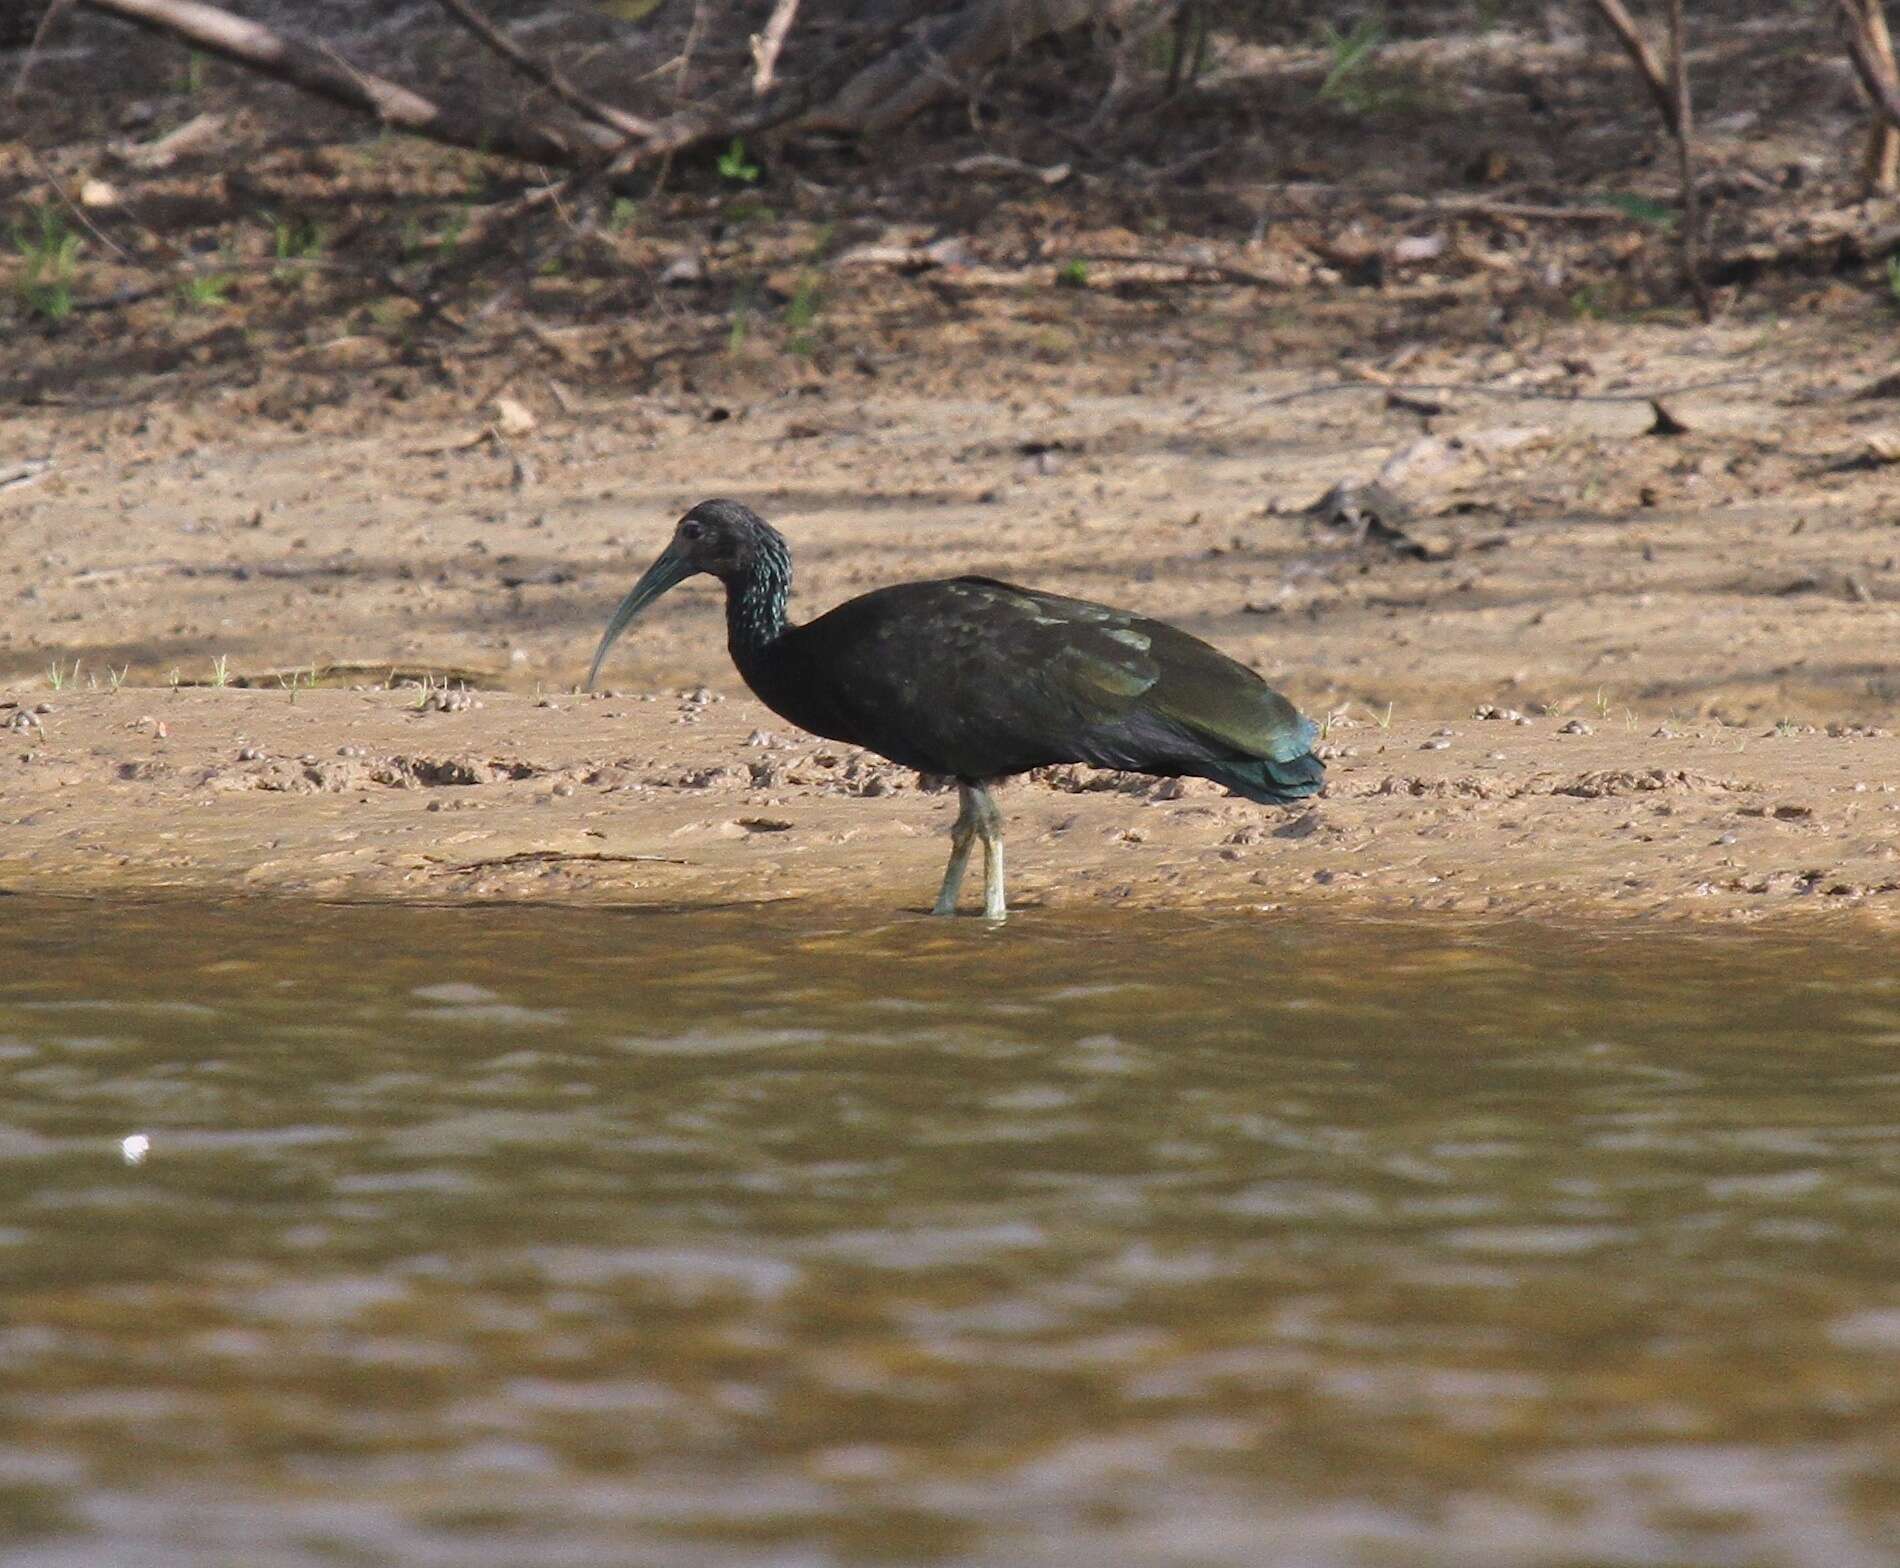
47 18
766 45
1648 66
1876 74
1685 157
791 100
1187 62
1880 174
544 72
695 30
947 52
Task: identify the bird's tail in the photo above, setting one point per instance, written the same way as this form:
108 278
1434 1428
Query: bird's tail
1271 783
1275 780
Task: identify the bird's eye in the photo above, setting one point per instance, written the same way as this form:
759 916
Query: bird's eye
690 530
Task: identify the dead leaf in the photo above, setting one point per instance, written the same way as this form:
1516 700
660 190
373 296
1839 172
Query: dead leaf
513 417
1415 248
458 444
997 163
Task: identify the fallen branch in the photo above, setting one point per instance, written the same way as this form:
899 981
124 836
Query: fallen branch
863 87
321 73
1479 207
1477 389
1647 65
558 857
545 74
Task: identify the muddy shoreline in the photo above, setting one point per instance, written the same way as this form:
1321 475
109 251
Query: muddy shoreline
690 800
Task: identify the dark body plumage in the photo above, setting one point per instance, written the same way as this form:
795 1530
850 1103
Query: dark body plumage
976 679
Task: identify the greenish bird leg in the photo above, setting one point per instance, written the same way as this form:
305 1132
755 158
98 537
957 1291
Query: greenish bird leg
962 832
989 829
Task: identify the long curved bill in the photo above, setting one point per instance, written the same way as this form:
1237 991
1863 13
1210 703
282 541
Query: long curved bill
660 576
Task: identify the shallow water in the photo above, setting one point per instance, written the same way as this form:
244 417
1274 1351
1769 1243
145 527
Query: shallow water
580 1237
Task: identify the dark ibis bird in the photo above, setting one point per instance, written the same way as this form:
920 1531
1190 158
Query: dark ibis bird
974 679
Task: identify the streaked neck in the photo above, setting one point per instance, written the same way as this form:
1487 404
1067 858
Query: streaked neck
755 603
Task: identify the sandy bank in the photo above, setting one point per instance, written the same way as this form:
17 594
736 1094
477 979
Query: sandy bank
671 800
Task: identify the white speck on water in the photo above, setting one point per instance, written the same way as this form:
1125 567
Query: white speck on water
134 1148
1549 1241
1873 1328
455 993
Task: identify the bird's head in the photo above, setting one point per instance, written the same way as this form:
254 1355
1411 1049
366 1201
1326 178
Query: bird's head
724 539
721 538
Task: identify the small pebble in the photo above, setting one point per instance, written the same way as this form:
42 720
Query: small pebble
564 788
1575 727
250 754
1436 745
42 707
